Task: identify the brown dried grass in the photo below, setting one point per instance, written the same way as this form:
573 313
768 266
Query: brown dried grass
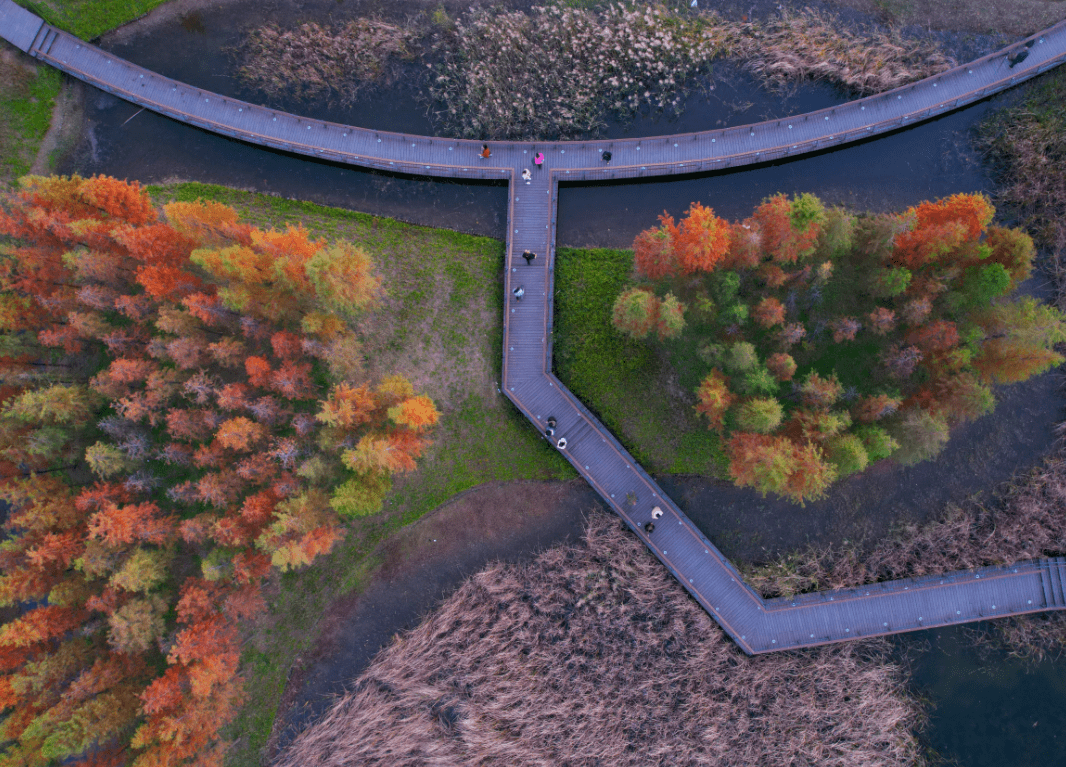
594 655
311 61
808 45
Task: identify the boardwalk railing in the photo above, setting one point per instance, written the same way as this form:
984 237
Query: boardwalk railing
756 624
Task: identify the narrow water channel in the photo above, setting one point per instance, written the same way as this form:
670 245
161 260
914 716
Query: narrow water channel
988 709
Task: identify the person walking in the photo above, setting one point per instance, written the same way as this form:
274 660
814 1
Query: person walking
529 256
538 159
607 156
518 293
486 153
526 175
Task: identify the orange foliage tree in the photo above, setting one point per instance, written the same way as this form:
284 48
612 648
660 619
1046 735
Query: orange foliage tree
195 349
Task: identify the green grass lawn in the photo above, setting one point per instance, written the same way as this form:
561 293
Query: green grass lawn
27 97
88 19
440 326
635 391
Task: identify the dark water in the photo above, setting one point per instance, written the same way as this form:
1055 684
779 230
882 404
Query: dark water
988 709
985 707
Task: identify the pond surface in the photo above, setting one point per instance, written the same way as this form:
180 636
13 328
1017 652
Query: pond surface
985 707
989 709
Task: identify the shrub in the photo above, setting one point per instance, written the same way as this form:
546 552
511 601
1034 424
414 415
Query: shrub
756 381
1013 249
714 399
741 357
820 392
636 312
761 462
769 312
837 237
889 282
881 321
671 320
980 285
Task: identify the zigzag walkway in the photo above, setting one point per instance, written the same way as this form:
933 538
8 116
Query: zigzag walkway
756 624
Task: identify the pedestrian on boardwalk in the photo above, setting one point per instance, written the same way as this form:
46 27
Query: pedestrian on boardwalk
518 293
529 255
526 175
649 528
606 156
538 160
485 151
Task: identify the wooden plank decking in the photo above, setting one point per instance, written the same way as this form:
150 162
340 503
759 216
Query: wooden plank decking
757 625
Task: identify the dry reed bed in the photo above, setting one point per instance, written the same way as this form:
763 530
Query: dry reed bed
311 61
814 46
558 72
594 655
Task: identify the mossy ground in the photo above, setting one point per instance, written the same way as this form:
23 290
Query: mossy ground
439 325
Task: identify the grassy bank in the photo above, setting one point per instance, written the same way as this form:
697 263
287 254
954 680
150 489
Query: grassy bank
635 392
28 90
439 326
88 19
28 93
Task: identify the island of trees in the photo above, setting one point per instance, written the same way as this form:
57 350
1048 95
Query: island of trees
828 341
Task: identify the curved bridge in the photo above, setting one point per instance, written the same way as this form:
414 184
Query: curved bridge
756 624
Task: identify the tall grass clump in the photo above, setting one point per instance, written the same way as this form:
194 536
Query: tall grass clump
594 654
311 61
808 45
557 72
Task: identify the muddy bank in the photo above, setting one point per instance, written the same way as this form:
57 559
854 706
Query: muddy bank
421 566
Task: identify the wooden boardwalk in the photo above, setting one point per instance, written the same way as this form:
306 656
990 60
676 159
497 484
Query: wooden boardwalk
756 624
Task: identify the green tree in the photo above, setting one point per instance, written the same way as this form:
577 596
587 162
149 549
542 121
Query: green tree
847 453
921 435
761 415
635 312
876 441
